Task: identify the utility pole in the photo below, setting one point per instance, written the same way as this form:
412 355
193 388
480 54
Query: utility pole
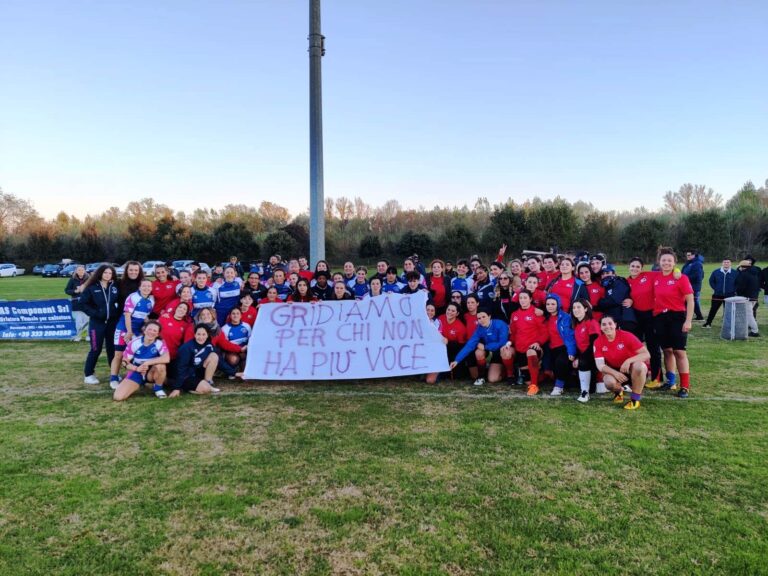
316 193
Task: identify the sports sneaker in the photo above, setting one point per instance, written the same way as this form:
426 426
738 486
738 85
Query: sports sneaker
114 384
668 386
705 325
215 390
91 379
627 388
618 397
520 380
653 385
632 405
533 389
754 334
682 393
160 393
600 388
479 382
584 397
556 391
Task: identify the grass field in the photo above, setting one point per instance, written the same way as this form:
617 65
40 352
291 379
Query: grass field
380 477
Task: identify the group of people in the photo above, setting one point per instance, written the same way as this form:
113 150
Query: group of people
570 320
746 280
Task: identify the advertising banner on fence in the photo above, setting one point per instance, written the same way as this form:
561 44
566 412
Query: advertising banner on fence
36 320
347 339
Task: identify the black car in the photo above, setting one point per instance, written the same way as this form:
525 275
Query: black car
68 270
51 271
37 269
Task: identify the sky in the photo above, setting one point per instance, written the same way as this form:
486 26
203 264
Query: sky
202 104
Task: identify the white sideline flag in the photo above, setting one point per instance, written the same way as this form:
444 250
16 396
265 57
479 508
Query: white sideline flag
388 335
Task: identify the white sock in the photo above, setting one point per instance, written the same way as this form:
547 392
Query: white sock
584 379
600 388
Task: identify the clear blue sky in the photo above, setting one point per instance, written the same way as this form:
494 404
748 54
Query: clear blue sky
199 104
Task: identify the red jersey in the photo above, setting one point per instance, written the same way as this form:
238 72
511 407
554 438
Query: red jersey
248 317
175 332
526 328
297 298
219 341
170 308
555 340
538 298
641 289
595 292
470 322
624 346
164 293
307 275
437 286
453 332
583 331
564 290
546 277
669 293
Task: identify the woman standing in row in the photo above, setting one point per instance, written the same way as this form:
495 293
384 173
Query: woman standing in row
672 318
75 288
100 302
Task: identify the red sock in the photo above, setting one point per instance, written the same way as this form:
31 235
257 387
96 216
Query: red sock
599 376
481 365
533 368
685 380
509 366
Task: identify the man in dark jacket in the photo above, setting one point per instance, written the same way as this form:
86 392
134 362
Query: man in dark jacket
723 284
748 285
694 269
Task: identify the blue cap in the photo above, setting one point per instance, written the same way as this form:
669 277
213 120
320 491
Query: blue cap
609 268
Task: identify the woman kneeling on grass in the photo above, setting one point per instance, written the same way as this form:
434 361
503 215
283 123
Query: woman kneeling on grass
622 359
196 365
146 358
485 343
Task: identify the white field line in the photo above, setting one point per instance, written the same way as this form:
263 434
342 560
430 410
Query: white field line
457 394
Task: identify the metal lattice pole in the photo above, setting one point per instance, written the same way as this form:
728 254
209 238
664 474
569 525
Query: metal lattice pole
316 193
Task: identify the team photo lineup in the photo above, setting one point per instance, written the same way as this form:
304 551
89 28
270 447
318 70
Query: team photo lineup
541 321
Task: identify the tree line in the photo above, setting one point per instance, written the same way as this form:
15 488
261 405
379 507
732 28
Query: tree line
693 217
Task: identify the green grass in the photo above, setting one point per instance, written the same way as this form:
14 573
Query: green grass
379 477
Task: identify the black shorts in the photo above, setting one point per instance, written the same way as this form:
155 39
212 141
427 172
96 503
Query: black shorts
586 360
521 358
668 327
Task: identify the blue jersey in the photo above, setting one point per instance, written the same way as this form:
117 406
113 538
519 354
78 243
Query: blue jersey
283 290
139 308
394 288
203 298
137 352
485 292
462 285
493 338
237 334
360 290
227 297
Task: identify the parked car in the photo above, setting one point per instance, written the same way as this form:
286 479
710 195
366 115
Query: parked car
68 270
51 271
37 269
180 265
10 270
149 266
91 268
